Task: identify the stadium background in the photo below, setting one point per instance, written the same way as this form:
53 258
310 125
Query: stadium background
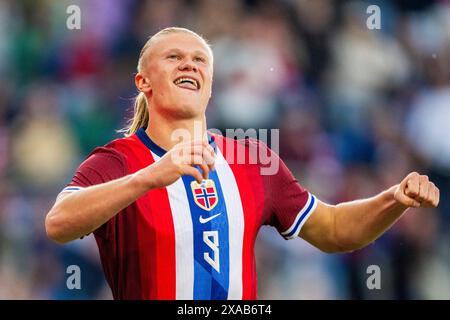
357 110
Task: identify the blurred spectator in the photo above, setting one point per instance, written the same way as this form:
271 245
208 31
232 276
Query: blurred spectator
43 147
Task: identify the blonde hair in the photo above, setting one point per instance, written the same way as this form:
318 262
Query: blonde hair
141 114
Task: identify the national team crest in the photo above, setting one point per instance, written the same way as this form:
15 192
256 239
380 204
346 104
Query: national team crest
205 194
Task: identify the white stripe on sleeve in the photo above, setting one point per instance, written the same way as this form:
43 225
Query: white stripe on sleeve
293 231
69 189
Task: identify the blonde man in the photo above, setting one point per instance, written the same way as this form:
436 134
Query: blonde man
178 220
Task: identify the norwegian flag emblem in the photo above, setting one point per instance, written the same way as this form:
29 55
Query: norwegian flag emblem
205 194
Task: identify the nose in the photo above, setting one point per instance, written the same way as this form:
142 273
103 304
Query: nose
187 65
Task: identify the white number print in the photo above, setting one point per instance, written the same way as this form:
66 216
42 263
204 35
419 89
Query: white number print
214 245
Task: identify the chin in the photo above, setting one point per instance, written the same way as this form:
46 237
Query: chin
188 110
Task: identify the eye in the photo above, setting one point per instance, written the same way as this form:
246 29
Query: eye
173 56
200 59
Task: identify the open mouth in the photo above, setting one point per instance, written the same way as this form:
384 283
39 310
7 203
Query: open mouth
187 83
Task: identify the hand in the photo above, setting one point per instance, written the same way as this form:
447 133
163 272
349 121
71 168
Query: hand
179 161
417 191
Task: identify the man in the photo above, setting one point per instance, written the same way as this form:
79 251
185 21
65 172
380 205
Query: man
178 220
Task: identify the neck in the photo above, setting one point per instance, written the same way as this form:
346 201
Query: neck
166 133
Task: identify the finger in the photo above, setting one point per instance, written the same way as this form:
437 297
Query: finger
201 149
209 159
211 149
412 186
205 143
195 149
438 195
405 200
205 170
183 153
430 198
434 191
197 160
190 147
178 156
200 143
424 187
207 154
188 144
433 199
192 171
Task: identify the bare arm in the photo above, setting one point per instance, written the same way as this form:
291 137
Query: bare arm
79 213
352 225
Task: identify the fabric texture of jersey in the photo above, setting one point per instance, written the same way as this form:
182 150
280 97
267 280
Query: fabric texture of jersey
190 240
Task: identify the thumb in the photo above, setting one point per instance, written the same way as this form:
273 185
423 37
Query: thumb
401 196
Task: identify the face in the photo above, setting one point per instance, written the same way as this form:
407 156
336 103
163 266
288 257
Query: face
176 75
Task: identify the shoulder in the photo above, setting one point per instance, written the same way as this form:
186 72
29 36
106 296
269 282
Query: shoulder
111 156
119 148
108 151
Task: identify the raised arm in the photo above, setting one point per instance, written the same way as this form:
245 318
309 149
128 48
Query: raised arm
79 213
352 225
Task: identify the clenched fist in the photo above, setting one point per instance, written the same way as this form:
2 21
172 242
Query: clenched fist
417 191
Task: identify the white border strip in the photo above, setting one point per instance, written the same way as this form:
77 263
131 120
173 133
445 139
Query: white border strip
236 224
307 213
184 238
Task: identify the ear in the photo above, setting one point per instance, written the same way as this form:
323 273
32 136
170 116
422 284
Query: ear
142 83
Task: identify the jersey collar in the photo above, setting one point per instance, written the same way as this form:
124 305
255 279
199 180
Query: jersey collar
150 144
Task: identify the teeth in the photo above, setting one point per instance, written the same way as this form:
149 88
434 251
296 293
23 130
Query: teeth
194 82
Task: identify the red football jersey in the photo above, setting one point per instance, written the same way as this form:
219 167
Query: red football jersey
190 240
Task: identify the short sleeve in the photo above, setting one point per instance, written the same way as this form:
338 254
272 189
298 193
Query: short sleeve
290 204
102 165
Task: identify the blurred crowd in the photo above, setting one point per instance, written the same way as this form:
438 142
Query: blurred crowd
357 110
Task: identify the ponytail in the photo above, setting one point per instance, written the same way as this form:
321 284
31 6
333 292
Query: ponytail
140 117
